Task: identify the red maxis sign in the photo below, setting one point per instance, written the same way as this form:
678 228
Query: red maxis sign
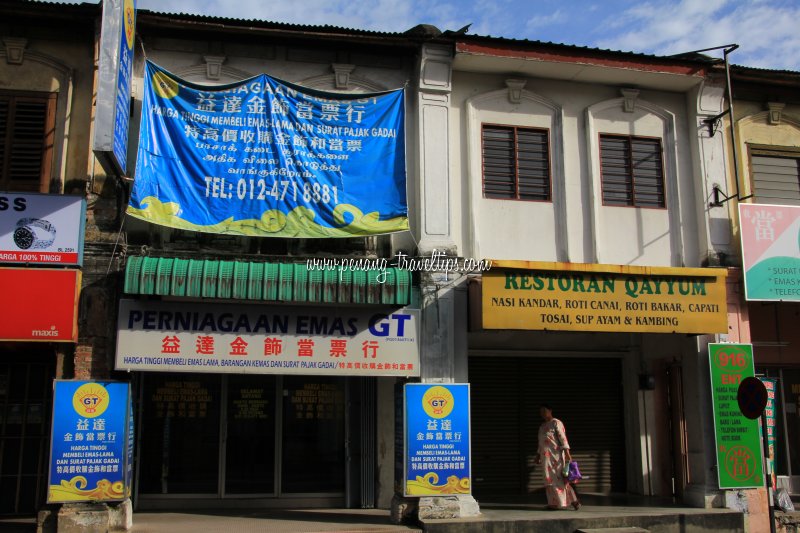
39 304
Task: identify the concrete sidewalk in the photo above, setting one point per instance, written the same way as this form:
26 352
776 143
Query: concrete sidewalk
272 521
524 515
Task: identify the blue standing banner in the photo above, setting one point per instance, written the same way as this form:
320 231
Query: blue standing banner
437 439
267 158
91 450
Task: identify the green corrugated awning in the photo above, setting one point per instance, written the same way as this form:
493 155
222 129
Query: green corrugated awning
245 280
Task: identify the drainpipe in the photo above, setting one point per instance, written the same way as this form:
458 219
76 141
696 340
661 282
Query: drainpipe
719 197
734 144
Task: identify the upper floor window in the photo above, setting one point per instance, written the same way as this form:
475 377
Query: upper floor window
516 163
27 122
776 176
632 171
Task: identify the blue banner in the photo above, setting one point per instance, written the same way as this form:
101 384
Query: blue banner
437 439
91 442
266 158
122 102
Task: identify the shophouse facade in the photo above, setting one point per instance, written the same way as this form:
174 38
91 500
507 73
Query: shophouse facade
299 436
765 142
585 175
45 116
577 171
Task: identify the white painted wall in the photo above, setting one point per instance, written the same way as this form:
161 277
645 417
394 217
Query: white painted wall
575 226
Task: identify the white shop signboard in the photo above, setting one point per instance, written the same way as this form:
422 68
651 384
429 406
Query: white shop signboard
267 339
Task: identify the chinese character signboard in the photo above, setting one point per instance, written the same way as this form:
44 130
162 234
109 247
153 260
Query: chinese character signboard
770 251
437 439
174 337
738 439
40 304
112 114
41 228
267 158
91 447
769 416
603 298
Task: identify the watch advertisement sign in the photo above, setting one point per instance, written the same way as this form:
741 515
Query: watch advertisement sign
770 251
91 442
39 304
437 440
240 339
45 229
738 439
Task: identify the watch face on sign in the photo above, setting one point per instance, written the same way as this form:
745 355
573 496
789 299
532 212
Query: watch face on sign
23 238
34 233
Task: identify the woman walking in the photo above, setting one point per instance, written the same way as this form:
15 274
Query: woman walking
554 454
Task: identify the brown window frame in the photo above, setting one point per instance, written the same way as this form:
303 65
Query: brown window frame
548 160
48 140
630 175
767 150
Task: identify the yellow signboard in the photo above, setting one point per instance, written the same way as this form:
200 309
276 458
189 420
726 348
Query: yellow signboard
604 298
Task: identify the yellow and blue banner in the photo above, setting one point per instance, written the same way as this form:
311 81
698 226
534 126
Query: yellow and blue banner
263 157
91 451
437 439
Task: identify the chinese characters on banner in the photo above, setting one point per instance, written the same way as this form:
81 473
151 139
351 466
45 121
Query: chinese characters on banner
267 158
770 251
92 442
317 401
166 336
769 416
181 399
738 439
437 439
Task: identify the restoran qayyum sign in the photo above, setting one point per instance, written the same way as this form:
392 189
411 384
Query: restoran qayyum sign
604 298
266 158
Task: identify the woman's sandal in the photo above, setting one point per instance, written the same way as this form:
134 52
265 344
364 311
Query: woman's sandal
576 505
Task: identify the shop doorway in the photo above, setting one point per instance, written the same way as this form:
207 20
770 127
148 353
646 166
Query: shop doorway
26 397
506 393
241 436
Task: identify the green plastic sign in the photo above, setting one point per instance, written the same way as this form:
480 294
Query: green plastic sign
738 439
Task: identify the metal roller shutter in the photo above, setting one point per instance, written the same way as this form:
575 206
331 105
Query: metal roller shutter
506 394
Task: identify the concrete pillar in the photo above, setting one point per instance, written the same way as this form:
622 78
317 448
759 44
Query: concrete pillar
435 203
444 329
704 489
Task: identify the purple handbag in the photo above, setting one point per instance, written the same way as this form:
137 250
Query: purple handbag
574 473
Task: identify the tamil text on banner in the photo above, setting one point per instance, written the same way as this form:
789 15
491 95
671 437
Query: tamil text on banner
437 439
738 439
176 337
266 158
603 298
41 228
39 304
771 251
91 447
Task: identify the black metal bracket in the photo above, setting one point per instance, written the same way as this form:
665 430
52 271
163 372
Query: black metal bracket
720 198
712 122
